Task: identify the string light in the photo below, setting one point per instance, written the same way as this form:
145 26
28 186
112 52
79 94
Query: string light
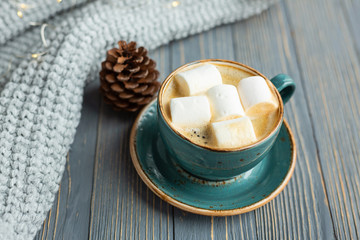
42 34
38 55
23 7
35 24
175 3
20 14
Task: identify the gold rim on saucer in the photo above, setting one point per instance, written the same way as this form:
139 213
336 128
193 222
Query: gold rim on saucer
202 211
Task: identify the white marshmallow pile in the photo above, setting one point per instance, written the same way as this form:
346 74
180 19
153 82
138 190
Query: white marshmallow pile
207 101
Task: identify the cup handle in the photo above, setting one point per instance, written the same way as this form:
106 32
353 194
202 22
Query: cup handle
285 85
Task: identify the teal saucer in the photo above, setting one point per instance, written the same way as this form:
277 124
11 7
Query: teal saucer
241 194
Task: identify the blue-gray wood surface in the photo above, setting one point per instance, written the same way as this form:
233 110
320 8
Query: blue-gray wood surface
317 42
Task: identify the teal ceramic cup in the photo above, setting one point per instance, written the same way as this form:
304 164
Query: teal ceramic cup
220 164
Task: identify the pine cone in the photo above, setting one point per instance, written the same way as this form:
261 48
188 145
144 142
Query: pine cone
128 77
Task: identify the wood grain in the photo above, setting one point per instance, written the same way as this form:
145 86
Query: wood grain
315 42
217 43
198 227
122 206
69 217
330 75
301 211
351 9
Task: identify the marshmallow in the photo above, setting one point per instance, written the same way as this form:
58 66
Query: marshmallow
198 80
225 102
190 111
234 133
256 96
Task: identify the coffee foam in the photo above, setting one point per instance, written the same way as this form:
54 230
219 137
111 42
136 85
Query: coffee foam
202 135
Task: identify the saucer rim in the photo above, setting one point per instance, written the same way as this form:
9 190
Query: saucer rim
203 211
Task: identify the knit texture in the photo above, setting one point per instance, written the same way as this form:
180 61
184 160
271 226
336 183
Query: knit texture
40 101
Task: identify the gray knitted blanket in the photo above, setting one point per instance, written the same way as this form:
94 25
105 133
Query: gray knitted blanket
40 99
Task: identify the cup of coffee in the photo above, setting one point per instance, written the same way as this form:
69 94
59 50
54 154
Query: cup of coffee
219 118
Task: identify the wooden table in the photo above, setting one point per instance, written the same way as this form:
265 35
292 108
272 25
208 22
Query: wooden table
317 42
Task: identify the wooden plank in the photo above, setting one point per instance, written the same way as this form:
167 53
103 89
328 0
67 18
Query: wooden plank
331 79
216 43
327 139
122 206
300 211
69 216
351 10
188 225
